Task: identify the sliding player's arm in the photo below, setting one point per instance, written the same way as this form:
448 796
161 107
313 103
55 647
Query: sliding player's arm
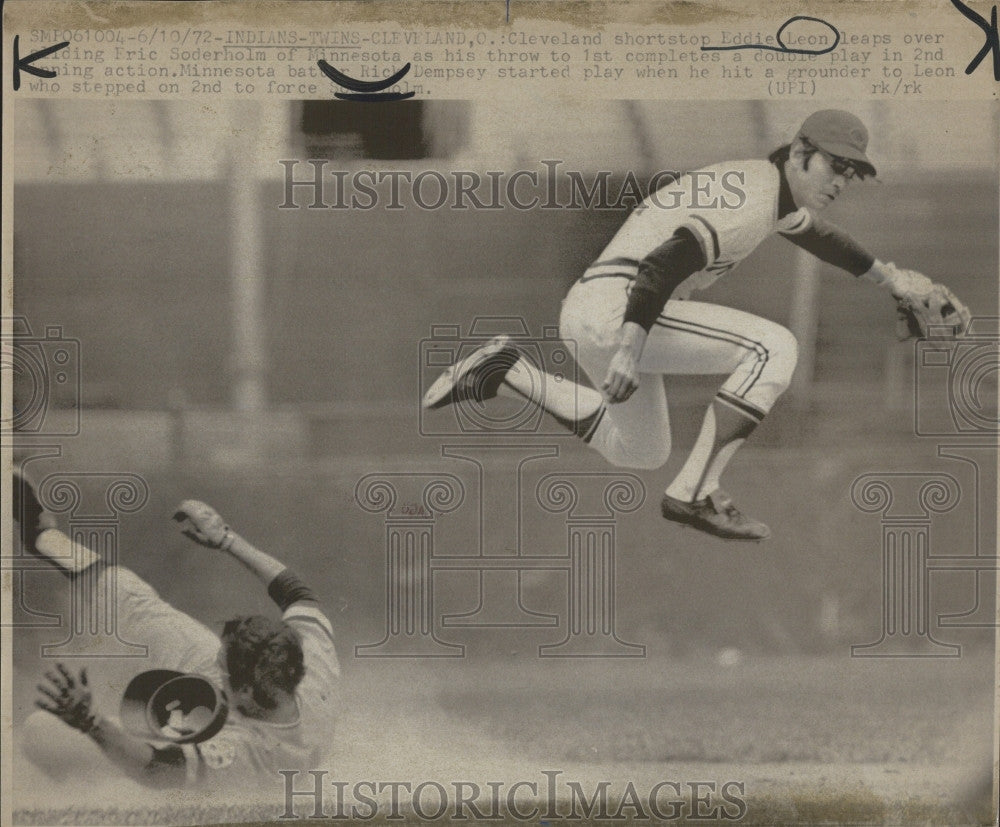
69 699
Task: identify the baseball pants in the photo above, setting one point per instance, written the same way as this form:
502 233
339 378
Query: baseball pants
688 337
174 640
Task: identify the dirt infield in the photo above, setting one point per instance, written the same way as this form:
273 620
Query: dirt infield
808 740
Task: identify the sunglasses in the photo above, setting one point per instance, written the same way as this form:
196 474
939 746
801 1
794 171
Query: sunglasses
841 166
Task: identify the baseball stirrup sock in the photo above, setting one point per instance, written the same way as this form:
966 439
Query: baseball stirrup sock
724 429
577 408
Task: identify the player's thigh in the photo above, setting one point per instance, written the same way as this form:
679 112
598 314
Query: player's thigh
591 323
58 749
642 422
591 320
700 338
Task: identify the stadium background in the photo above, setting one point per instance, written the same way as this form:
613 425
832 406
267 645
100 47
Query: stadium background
265 360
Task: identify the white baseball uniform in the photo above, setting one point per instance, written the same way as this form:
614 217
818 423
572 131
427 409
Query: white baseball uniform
730 209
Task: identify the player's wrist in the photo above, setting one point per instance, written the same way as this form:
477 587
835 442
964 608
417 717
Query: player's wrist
879 274
93 726
633 337
896 280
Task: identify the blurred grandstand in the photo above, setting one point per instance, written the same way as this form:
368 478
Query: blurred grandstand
151 231
221 335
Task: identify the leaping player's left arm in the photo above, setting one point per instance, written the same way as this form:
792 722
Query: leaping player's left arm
660 272
922 304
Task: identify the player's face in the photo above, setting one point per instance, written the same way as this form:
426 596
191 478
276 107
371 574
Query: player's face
241 699
818 186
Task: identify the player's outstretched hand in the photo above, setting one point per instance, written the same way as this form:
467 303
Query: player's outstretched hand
203 524
68 698
937 314
622 377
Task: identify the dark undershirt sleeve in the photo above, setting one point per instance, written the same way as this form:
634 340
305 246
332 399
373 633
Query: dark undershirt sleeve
660 273
831 244
287 588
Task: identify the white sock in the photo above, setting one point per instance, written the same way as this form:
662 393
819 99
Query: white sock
687 482
575 406
723 430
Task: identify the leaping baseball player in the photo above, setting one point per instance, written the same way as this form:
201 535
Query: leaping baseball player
279 676
632 319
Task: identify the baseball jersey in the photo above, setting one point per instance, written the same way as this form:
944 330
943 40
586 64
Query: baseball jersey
730 208
248 748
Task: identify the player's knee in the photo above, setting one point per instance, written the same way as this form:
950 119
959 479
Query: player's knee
44 743
623 454
782 355
648 457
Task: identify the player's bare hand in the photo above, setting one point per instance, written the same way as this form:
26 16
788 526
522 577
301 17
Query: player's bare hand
68 698
622 377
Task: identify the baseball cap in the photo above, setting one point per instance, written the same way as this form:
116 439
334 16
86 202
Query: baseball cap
839 133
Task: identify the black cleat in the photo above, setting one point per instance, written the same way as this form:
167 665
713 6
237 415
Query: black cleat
40 534
715 514
477 377
31 518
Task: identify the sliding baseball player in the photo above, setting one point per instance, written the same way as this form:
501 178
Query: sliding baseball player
279 677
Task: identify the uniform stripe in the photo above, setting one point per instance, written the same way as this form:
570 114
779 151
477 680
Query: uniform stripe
620 261
611 273
722 336
622 268
597 421
713 233
741 406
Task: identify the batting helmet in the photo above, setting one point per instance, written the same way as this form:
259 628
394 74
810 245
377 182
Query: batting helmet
183 708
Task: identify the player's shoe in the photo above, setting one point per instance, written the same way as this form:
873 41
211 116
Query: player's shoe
31 517
200 522
716 514
477 377
39 531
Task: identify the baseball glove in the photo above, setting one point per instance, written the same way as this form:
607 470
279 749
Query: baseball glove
936 314
203 524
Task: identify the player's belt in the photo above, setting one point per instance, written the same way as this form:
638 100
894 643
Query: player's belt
613 268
